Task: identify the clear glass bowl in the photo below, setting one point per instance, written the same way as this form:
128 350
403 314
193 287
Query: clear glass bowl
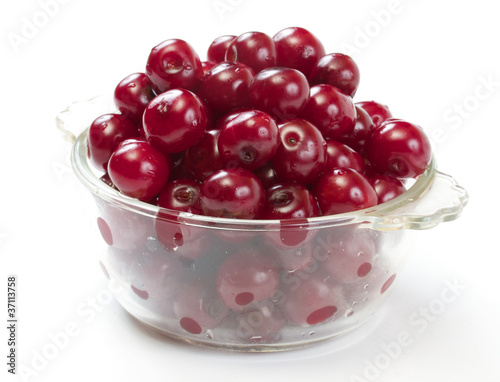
319 278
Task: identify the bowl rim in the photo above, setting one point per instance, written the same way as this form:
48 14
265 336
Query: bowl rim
90 178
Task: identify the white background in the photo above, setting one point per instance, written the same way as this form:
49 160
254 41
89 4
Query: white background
428 60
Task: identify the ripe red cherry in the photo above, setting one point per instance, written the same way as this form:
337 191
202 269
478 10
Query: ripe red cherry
399 148
338 70
217 50
138 170
181 195
105 134
232 193
387 187
255 49
261 324
301 155
330 110
267 175
246 277
174 64
249 140
280 92
226 87
343 190
133 94
298 48
175 120
207 65
289 201
378 112
342 156
363 127
202 158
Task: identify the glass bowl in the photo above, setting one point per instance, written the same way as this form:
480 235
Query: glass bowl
255 285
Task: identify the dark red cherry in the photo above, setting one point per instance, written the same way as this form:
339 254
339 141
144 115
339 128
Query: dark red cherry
138 170
378 112
207 65
217 50
301 155
267 175
289 201
174 64
362 129
399 148
254 49
343 190
105 134
181 195
202 158
232 193
175 120
280 92
249 140
387 187
339 155
298 48
226 87
330 110
133 94
338 70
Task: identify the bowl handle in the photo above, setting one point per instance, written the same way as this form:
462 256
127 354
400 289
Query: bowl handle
443 201
77 116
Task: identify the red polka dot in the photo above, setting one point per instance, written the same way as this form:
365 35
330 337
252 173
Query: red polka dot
364 269
141 293
244 298
190 325
388 283
105 231
321 315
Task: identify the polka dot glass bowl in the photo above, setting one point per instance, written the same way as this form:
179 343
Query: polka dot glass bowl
256 285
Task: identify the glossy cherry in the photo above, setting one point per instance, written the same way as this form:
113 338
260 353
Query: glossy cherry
203 158
387 187
378 112
363 127
254 49
246 277
133 94
175 120
217 49
267 175
301 155
225 87
248 140
343 190
399 148
298 48
174 64
181 195
105 133
330 110
338 70
289 201
138 170
232 193
280 92
340 155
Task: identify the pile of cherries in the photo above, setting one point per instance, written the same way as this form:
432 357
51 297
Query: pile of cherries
265 128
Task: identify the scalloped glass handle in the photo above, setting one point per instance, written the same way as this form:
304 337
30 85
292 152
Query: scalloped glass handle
73 120
444 200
